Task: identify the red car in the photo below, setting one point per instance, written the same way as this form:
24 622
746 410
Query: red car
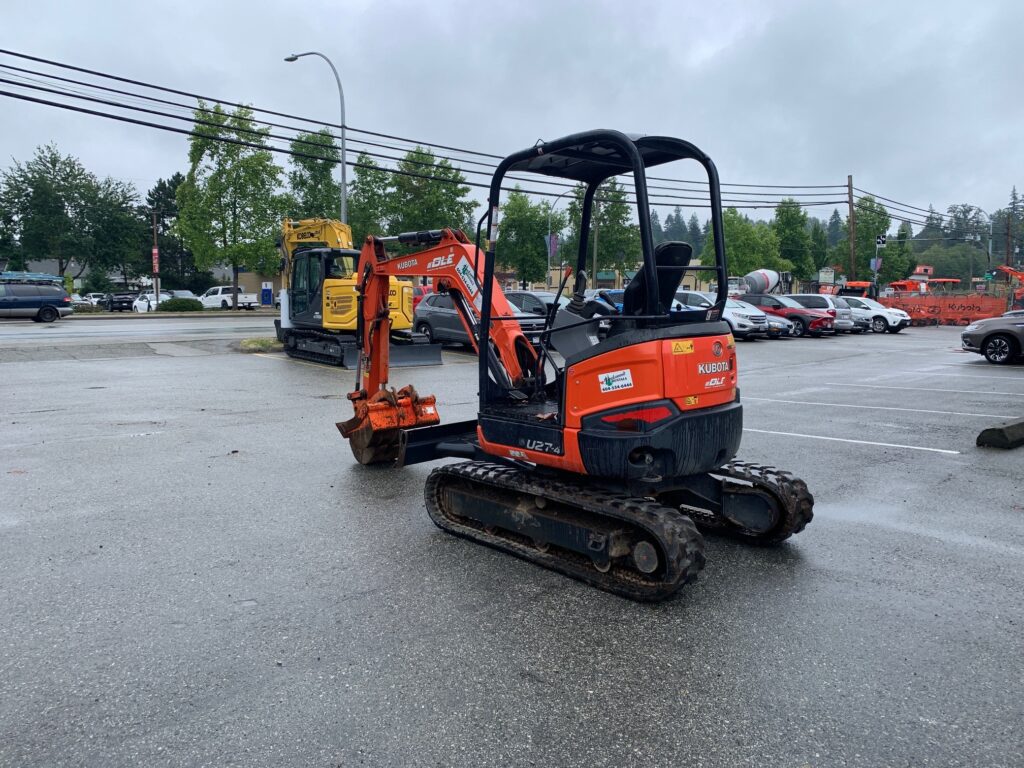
810 322
420 292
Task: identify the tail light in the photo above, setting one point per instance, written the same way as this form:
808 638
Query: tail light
643 417
832 312
66 300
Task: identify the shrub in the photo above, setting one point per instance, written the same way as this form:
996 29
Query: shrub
180 305
85 309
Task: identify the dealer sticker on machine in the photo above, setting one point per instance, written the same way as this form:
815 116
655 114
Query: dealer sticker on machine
616 380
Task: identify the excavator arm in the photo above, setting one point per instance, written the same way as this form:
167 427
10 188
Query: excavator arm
455 267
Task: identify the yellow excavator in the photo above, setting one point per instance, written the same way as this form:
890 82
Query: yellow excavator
319 304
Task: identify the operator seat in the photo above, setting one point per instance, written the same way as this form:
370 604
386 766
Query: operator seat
670 258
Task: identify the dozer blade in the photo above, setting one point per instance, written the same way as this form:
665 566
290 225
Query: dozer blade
374 432
399 355
412 355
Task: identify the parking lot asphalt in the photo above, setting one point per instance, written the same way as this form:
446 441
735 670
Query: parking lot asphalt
194 571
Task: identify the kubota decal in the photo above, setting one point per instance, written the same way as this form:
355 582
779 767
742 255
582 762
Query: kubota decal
717 382
709 368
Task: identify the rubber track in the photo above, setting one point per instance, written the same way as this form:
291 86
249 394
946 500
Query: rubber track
791 493
301 354
682 546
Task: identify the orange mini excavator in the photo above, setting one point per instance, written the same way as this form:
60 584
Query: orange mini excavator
603 459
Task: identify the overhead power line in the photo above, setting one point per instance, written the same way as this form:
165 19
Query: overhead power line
164 89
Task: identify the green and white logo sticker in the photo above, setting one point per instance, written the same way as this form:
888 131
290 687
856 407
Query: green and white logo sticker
615 380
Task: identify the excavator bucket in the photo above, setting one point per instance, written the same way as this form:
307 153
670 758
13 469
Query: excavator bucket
399 355
373 432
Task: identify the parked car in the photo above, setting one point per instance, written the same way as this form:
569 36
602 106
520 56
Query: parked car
79 301
438 320
999 339
880 317
220 297
96 298
145 302
43 303
176 294
535 302
778 327
810 322
120 301
835 306
745 320
420 292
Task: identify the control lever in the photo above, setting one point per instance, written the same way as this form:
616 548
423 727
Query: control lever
607 299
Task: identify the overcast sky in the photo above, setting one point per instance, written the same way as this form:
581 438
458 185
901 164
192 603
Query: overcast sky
920 101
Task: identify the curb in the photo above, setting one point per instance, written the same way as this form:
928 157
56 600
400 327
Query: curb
1007 435
127 316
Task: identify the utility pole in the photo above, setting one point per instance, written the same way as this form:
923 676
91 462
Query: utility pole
156 264
852 233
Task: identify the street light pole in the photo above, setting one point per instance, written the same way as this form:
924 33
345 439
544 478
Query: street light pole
551 208
341 98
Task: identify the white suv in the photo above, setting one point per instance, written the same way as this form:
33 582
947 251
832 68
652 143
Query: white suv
881 317
745 320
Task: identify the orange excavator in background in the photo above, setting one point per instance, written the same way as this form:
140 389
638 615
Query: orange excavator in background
603 459
1017 301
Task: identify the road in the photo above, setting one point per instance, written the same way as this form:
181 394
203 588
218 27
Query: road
127 336
195 572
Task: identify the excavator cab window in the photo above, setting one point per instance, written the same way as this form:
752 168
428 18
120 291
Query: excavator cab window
300 285
341 265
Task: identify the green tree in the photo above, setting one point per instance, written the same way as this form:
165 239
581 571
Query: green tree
47 203
521 245
315 193
694 234
872 220
835 231
11 256
428 194
618 237
368 202
614 240
749 245
675 225
229 207
897 257
790 225
932 233
819 245
657 233
117 241
177 265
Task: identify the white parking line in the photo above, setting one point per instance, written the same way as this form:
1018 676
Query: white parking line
879 408
925 389
846 440
958 375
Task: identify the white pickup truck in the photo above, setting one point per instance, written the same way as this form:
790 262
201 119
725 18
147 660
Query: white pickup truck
219 297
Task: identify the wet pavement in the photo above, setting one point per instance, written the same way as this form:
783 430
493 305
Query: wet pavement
194 571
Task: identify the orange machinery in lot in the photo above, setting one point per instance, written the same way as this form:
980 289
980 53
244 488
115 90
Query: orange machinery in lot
596 458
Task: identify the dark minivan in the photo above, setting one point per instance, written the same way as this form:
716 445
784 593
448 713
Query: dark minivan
42 303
